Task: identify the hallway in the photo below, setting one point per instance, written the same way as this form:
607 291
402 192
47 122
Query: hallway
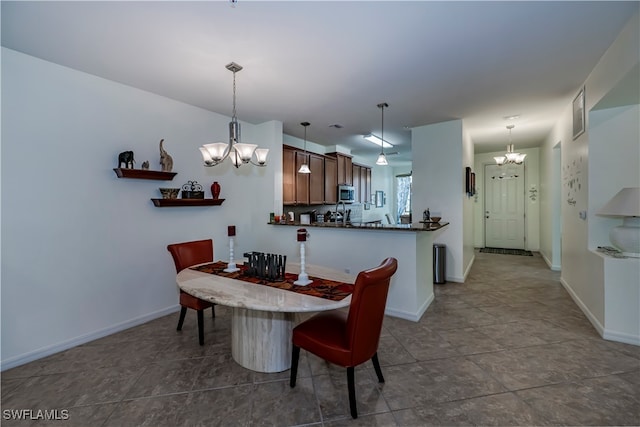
509 347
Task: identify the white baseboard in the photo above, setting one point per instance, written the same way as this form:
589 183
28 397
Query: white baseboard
592 318
550 264
414 317
468 270
621 337
607 334
21 359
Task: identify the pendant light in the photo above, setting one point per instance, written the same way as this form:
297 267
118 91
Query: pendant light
382 159
510 157
239 152
305 167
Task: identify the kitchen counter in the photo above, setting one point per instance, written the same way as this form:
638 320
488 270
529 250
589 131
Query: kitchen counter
355 247
416 226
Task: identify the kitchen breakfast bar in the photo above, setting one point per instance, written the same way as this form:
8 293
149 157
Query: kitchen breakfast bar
355 247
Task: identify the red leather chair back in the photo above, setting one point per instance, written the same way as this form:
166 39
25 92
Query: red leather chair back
366 311
191 253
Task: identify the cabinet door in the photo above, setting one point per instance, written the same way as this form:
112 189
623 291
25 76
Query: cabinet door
288 176
330 180
302 179
348 179
355 174
316 179
367 185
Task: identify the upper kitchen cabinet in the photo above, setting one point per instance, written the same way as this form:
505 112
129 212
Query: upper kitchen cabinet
330 180
361 182
316 179
289 173
302 179
345 172
302 188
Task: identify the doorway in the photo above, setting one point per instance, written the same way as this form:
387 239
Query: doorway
504 221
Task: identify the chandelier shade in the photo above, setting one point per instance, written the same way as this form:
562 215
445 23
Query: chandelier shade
239 152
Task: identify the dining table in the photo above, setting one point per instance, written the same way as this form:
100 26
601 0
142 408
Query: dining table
264 314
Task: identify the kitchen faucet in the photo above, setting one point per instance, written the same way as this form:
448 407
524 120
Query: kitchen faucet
344 212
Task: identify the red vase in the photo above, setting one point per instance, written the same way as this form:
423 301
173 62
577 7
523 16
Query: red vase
215 189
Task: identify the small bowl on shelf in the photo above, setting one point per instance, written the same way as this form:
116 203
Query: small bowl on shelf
169 193
436 219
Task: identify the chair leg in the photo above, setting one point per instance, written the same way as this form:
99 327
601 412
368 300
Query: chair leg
201 327
352 391
295 355
183 312
376 366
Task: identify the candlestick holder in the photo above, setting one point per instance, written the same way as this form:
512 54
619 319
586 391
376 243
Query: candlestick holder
231 266
303 277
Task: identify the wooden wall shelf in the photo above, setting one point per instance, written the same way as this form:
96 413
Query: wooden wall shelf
162 203
144 174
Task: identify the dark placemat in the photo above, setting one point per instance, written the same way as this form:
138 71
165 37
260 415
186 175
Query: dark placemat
321 288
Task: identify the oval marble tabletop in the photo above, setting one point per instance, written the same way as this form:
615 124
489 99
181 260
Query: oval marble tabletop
263 317
237 293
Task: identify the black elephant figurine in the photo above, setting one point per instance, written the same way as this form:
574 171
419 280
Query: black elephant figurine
126 157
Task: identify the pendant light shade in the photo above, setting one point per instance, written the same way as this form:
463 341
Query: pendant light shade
382 159
304 168
239 152
510 157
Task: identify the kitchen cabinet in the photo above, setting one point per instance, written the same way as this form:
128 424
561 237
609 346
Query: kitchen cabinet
345 171
289 173
355 175
361 182
330 180
316 179
366 194
302 179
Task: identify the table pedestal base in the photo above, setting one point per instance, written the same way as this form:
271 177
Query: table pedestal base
257 339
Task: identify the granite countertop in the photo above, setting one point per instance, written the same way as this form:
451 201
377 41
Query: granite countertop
416 226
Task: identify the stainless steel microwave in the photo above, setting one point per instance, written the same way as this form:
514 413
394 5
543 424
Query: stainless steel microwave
346 193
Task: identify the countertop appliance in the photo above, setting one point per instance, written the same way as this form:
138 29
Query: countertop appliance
346 193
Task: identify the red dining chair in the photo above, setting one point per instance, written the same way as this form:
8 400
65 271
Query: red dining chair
185 255
349 339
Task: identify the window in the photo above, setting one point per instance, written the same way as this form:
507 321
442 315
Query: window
403 192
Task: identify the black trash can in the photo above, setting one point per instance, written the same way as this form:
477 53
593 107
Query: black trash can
439 263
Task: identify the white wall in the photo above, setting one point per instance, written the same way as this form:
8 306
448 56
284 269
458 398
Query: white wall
532 207
439 160
589 179
613 164
84 253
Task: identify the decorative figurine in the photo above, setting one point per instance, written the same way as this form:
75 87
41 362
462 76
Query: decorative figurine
126 157
145 165
165 159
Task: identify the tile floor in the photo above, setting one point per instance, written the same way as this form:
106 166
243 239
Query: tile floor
509 347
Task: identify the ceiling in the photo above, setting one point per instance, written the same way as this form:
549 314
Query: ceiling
332 62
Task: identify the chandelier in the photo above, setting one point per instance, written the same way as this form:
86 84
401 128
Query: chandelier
239 152
382 159
510 157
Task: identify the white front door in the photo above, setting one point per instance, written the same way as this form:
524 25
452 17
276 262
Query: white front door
504 206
